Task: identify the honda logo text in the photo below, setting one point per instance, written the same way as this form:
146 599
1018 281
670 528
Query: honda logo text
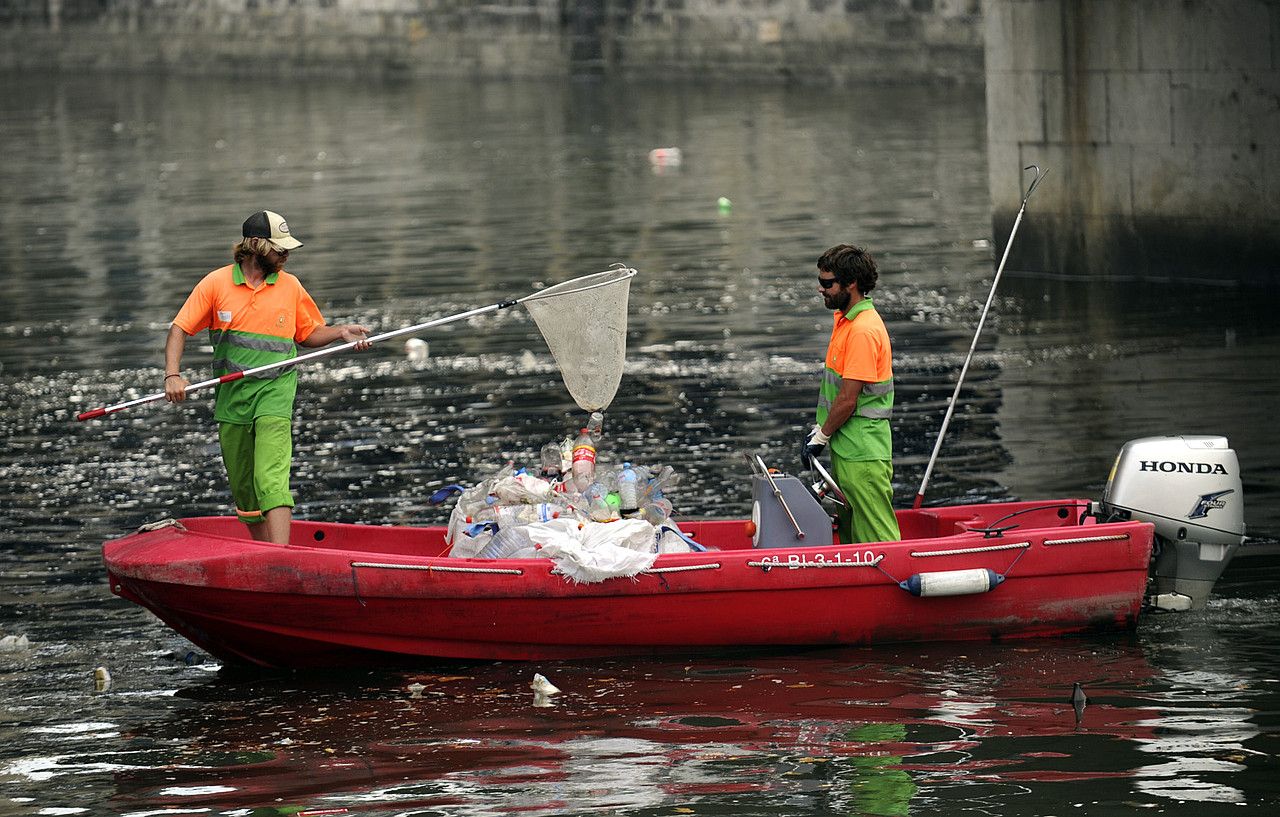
1167 467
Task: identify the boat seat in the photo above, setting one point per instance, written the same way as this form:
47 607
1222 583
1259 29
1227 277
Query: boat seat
930 524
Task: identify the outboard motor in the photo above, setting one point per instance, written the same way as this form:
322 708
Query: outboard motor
1189 488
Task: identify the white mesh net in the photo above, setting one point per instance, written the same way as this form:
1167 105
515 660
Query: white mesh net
584 322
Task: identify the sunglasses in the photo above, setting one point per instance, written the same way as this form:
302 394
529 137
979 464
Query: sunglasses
827 283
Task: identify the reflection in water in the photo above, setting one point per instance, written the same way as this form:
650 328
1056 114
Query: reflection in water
420 201
847 731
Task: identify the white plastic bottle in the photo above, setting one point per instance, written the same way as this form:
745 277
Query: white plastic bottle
595 427
598 506
628 490
584 461
566 456
550 461
506 542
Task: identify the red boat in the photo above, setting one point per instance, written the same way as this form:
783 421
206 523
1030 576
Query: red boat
359 594
344 594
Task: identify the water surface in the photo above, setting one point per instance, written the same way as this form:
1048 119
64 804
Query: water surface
418 201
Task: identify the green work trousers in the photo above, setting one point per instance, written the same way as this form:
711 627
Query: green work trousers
258 459
868 485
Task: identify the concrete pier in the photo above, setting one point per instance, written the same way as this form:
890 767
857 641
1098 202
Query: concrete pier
795 41
1160 123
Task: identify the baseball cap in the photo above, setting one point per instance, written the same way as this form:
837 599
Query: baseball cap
271 226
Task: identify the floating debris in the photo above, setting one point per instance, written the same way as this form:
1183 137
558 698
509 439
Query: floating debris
1078 700
542 690
101 680
417 349
415 690
666 157
14 643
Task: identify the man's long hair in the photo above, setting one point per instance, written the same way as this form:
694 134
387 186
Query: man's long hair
251 247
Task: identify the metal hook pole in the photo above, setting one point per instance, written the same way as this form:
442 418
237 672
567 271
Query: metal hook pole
955 395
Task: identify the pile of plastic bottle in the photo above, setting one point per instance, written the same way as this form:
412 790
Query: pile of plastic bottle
489 519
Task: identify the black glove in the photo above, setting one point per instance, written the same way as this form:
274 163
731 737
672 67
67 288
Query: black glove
814 444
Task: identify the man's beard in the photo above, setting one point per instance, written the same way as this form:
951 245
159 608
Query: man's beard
838 302
268 266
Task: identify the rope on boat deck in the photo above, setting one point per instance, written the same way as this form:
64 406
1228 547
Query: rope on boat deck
355 582
683 568
163 523
963 551
511 571
1082 539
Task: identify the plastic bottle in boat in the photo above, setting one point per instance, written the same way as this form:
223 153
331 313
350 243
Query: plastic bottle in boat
566 456
656 512
506 542
598 506
595 427
550 461
659 484
628 490
584 461
513 515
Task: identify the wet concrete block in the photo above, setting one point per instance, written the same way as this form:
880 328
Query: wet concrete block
1203 181
1086 178
1107 36
1024 35
1246 25
1138 108
1225 108
1191 35
1075 107
1269 162
1004 172
1015 106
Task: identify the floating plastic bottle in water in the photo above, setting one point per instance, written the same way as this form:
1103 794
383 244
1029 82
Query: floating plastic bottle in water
628 490
550 461
595 427
584 461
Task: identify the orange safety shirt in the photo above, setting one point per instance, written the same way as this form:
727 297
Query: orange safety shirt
248 328
859 349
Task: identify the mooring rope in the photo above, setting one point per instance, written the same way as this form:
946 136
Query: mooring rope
1082 539
964 551
683 568
509 571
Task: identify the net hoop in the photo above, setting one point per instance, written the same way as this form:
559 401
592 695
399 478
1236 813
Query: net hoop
584 323
582 283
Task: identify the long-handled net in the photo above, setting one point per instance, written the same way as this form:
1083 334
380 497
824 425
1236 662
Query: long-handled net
584 322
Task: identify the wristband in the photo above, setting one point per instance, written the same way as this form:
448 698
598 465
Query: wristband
166 377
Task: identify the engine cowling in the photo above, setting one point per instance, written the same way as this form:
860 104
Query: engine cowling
1189 487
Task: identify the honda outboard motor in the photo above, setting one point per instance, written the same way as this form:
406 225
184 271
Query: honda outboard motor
1189 488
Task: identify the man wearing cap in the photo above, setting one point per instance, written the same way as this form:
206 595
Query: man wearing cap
256 314
856 398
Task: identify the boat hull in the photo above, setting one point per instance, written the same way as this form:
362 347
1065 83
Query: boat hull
363 594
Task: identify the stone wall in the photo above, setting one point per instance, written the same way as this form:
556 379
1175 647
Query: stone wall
808 41
1160 123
